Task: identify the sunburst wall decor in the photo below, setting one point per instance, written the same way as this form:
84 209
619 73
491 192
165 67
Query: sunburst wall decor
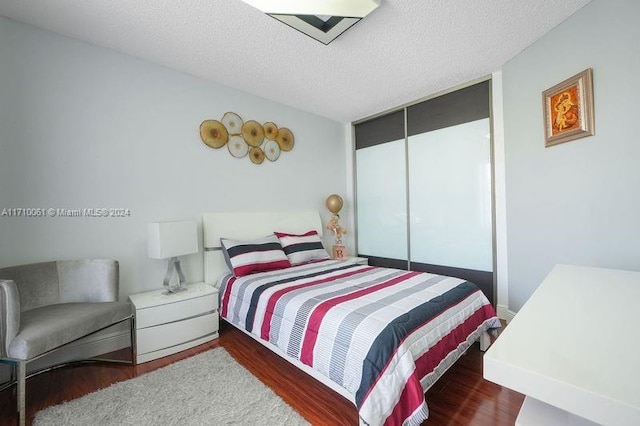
259 141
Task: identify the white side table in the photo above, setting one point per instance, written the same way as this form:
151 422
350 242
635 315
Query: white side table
572 349
170 323
357 260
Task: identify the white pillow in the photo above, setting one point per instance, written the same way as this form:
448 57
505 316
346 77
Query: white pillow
302 248
248 257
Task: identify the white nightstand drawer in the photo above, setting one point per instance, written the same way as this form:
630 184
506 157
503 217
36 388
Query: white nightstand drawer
175 309
170 323
154 338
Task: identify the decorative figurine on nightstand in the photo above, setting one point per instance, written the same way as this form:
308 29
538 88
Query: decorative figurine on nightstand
334 204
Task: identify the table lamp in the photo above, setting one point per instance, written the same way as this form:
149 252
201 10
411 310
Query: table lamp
168 240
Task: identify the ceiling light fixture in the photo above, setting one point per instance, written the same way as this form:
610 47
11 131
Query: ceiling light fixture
321 20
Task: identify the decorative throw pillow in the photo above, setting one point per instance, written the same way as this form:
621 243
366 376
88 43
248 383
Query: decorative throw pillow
302 248
248 257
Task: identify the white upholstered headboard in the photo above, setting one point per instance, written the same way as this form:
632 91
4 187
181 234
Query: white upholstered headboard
246 226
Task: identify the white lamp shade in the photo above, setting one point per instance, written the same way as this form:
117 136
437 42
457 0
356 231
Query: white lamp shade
169 239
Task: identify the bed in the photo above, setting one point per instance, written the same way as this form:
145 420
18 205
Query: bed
379 337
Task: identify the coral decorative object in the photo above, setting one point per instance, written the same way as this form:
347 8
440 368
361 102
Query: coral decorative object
334 204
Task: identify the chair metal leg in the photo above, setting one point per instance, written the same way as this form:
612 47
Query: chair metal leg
132 346
22 382
19 370
132 328
13 368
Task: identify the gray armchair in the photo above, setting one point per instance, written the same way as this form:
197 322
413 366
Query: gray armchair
45 306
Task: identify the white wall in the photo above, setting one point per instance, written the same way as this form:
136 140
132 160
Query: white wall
83 126
499 193
577 202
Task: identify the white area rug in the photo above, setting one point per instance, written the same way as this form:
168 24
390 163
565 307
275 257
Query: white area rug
207 389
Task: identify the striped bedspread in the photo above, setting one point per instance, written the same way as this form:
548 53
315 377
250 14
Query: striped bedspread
384 335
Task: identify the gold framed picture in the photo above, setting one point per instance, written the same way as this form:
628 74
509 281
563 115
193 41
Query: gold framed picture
568 109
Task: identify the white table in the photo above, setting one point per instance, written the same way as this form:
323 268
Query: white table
574 350
170 323
357 260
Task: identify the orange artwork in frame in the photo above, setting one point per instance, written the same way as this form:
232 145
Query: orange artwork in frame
568 109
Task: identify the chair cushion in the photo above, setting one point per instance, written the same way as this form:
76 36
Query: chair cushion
46 328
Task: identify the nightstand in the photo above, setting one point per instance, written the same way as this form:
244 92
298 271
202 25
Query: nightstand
357 260
170 323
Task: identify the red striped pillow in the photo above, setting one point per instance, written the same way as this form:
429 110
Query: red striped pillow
248 257
302 248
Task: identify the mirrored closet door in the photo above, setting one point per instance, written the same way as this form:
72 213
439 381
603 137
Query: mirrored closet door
381 173
424 187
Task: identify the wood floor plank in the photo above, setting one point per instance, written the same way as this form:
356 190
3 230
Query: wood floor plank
460 397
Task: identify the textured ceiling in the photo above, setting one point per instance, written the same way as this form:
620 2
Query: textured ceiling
403 51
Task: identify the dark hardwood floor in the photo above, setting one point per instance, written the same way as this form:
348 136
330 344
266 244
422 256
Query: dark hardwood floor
460 397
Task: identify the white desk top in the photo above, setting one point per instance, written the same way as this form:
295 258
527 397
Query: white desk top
575 345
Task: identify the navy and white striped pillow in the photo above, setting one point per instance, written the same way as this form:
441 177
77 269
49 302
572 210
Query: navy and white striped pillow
302 248
248 257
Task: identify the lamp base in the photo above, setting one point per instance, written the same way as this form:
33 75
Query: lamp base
177 285
339 252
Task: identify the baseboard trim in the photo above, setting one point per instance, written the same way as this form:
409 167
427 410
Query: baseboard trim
504 313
